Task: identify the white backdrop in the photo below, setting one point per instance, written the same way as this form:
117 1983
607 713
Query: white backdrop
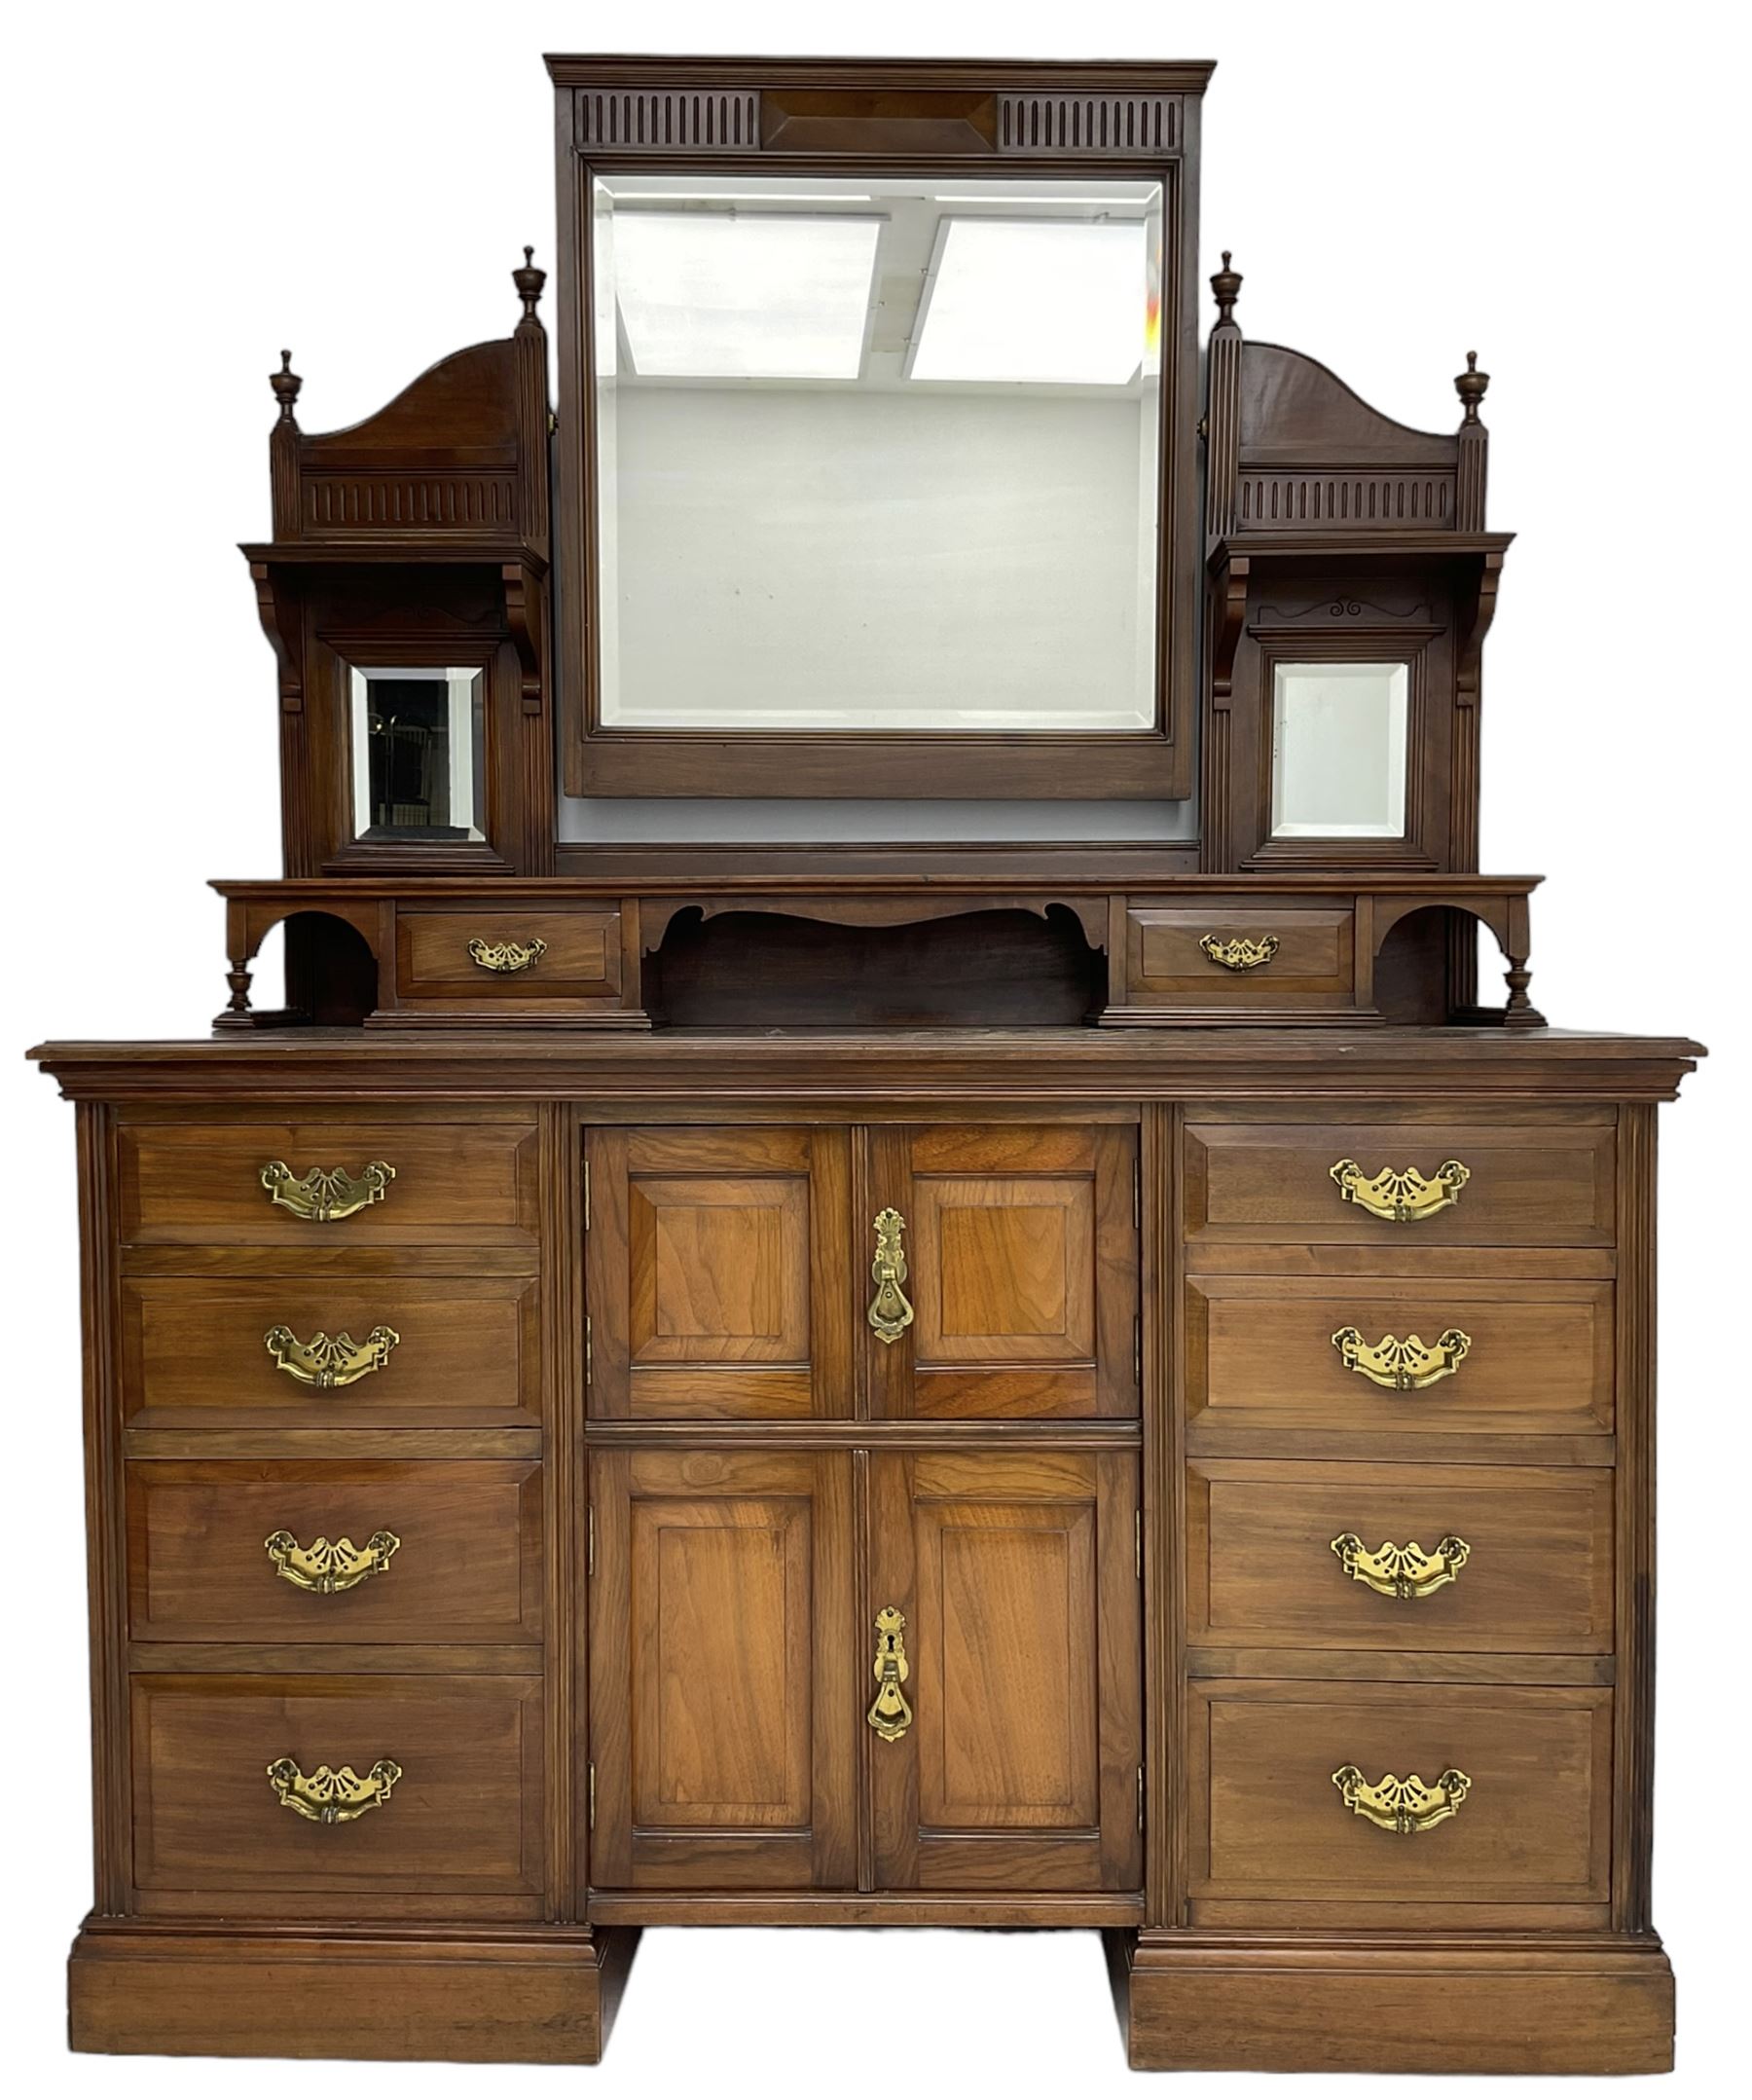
189 188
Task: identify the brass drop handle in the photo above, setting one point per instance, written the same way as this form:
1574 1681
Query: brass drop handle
1400 1195
326 1796
1239 952
889 1715
326 1192
1405 1806
1402 1571
506 956
326 1361
891 1311
326 1569
1403 1367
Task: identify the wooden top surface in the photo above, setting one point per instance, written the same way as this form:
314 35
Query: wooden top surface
707 1066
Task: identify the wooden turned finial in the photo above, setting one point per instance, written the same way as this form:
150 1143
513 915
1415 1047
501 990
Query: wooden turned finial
1226 284
285 383
1469 386
528 281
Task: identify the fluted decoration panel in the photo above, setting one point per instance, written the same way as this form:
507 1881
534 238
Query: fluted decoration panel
1088 124
668 119
1290 501
400 503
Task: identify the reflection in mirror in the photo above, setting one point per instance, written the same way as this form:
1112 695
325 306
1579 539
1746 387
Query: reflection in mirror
419 736
1338 751
873 455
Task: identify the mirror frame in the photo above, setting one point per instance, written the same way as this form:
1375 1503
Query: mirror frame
881 116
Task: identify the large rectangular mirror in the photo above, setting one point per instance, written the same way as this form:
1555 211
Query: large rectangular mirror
876 454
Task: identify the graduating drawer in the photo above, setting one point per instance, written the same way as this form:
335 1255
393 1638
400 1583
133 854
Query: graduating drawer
1401 1184
431 1786
1384 1357
1240 956
1306 1555
327 1181
1419 1795
331 1351
505 954
333 1551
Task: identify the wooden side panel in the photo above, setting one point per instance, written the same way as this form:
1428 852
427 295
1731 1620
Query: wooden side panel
719 1669
1022 1252
1014 1572
717 1266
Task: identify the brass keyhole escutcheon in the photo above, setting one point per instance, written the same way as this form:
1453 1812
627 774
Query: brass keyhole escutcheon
889 1715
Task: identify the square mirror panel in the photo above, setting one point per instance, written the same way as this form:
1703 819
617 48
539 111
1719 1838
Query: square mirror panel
876 454
418 749
1338 751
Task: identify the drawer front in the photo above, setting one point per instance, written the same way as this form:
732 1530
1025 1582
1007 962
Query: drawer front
505 952
460 1352
466 1182
463 1818
333 1551
1452 1558
1379 1357
1269 1825
1522 1183
1240 956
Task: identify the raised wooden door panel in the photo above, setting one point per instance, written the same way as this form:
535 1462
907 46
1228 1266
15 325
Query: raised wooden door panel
1265 1355
463 1821
1509 1558
1021 1247
1270 1826
723 1677
197 1352
466 1180
718 1272
1016 1574
443 1551
1532 1178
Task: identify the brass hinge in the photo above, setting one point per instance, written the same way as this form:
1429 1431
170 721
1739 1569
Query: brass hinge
590 1540
587 1350
591 1789
1140 1540
1140 1796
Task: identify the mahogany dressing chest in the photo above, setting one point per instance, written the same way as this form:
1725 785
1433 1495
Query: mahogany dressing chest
687 1378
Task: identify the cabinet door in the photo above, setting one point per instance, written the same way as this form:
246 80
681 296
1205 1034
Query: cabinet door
1021 1246
721 1634
1018 1577
717 1270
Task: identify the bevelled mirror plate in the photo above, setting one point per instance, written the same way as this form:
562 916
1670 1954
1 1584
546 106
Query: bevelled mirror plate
881 454
418 737
1338 737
